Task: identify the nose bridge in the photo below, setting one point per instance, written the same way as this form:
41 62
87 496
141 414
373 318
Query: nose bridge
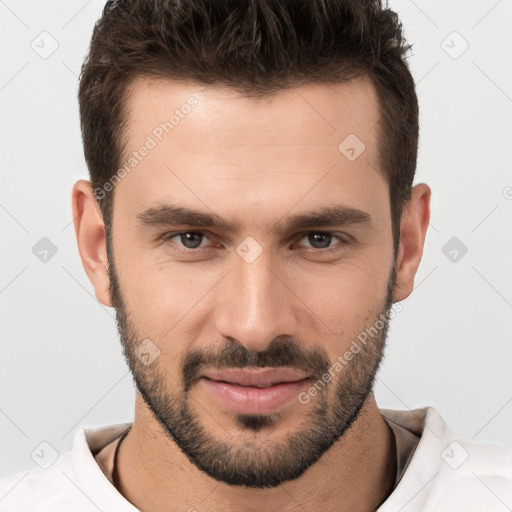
255 306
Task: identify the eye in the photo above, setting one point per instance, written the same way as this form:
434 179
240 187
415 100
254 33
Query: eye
195 241
321 240
187 240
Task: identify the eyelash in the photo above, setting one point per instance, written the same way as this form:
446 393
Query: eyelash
168 236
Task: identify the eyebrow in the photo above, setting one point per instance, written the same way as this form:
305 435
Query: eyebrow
172 215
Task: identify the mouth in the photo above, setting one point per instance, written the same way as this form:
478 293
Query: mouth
258 386
254 392
257 378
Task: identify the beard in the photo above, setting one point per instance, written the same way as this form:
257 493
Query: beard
269 462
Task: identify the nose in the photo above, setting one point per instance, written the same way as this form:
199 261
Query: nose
255 304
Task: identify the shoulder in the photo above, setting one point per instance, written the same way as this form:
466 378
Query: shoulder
74 481
38 490
448 473
482 472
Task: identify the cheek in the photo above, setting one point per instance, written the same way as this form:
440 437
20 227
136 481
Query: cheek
346 294
164 299
173 301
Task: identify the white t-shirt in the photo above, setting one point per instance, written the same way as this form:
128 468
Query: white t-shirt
443 474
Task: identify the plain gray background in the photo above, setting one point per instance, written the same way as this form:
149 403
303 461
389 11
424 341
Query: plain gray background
61 366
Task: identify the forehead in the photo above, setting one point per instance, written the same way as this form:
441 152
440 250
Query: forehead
312 110
211 142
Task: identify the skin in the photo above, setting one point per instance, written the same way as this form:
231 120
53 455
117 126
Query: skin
255 161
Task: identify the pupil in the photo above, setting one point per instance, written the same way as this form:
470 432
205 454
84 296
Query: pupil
317 237
188 242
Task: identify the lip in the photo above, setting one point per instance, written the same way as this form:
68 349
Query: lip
253 400
256 377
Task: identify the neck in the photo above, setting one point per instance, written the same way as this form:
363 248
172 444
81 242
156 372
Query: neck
356 474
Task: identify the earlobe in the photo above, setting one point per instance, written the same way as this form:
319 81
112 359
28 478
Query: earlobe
91 239
413 230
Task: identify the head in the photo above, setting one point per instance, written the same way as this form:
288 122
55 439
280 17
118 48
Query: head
280 140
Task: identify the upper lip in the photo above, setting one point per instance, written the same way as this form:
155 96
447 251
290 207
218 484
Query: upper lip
256 377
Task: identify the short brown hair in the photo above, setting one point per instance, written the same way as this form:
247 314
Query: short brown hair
257 47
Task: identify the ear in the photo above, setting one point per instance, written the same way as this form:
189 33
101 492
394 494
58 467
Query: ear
91 239
413 230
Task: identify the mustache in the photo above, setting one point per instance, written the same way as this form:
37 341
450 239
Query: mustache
281 352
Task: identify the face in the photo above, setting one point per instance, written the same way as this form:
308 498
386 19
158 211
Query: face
262 277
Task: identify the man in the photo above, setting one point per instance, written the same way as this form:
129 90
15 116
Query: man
251 217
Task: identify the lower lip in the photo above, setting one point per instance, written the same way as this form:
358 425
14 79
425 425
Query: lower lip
252 400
